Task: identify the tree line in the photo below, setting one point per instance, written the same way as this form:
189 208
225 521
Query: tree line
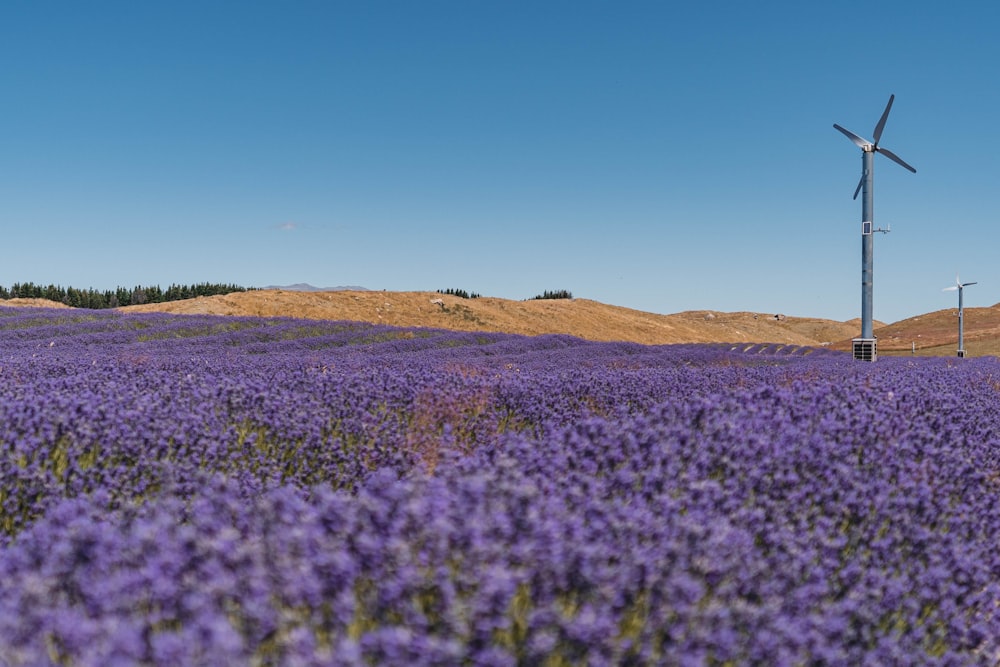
554 294
120 296
459 293
547 294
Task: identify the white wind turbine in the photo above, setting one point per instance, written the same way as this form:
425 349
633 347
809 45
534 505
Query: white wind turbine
959 285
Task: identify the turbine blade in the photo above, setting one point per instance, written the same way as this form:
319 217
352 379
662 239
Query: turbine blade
858 141
895 158
881 121
967 284
949 289
858 189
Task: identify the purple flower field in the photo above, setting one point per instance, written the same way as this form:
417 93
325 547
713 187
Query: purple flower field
200 490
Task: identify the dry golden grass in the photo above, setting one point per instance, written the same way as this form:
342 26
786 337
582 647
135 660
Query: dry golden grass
32 303
577 317
933 334
936 334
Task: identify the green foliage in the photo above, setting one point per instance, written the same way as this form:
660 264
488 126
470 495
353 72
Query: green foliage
120 296
554 294
460 293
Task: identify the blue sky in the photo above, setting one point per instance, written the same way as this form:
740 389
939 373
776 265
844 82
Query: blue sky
659 156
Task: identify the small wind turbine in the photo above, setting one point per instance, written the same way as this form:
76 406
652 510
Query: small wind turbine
866 187
959 285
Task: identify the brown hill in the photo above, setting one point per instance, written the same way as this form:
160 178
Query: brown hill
578 317
32 303
936 334
931 334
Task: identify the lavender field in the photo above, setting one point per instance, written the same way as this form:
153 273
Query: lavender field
199 490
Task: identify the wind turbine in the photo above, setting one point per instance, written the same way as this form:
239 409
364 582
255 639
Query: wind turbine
866 187
958 286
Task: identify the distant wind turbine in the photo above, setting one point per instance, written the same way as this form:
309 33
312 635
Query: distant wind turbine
959 285
866 187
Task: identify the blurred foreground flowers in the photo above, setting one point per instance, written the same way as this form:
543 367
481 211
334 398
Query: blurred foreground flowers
208 490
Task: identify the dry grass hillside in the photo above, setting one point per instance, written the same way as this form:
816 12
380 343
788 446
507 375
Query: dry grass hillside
936 334
933 333
33 303
577 317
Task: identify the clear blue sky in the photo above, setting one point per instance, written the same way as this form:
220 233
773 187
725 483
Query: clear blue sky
655 155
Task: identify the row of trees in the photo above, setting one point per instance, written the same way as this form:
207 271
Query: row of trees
547 294
554 294
459 293
121 296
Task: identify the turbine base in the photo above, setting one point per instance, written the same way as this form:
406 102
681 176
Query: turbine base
864 349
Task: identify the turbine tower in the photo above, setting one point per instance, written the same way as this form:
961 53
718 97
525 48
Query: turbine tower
864 347
958 286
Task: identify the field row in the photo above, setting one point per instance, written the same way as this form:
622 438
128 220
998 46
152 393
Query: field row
208 490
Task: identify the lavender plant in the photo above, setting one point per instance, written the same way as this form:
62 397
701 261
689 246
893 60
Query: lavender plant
206 490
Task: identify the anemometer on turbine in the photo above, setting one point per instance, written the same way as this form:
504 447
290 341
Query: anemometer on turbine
864 347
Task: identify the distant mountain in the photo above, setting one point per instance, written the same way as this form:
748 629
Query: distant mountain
306 287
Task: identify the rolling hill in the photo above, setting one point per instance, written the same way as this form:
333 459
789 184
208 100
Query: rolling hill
578 317
933 333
